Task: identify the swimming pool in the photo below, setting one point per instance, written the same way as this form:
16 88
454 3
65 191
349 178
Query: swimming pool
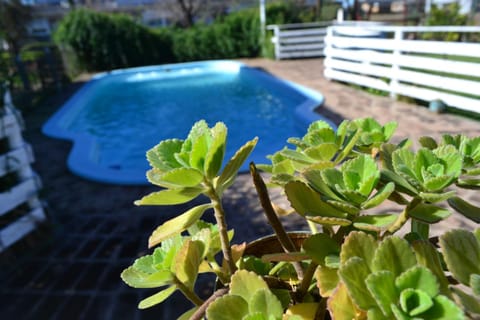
117 116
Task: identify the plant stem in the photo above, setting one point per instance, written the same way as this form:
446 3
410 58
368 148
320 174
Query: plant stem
201 310
222 227
307 280
282 236
187 292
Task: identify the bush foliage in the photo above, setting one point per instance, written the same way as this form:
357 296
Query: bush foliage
103 42
92 41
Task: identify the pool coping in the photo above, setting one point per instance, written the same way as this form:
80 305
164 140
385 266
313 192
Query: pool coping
84 146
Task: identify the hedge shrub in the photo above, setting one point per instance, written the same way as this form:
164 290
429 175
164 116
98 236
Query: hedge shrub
103 42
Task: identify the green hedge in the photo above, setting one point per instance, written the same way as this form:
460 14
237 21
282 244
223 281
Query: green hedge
104 42
237 35
92 41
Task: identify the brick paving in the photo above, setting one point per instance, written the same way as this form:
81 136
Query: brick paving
70 268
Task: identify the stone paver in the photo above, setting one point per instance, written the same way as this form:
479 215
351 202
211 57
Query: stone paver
72 269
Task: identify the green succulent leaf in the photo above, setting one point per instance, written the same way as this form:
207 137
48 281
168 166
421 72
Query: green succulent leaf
395 255
428 213
315 179
296 156
380 196
177 225
414 302
244 283
228 307
419 278
470 303
138 279
443 309
376 314
344 207
358 244
319 246
429 257
327 280
353 273
323 152
329 221
188 314
341 305
381 285
375 223
157 298
403 161
227 177
162 156
436 197
428 142
216 150
461 251
401 184
176 178
187 262
256 316
361 173
468 210
308 203
170 196
475 283
265 302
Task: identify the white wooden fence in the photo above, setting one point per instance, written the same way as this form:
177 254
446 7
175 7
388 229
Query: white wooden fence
299 40
20 209
396 60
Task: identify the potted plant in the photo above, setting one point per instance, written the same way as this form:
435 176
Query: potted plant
353 264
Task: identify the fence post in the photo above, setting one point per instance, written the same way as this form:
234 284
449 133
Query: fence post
276 41
326 51
398 37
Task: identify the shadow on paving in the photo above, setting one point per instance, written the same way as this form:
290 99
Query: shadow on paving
70 268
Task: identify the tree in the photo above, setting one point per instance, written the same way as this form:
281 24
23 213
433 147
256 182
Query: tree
187 12
14 17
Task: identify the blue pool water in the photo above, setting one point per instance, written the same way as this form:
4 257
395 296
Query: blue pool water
116 117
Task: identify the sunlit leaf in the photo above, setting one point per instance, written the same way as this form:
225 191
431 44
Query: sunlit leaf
327 280
420 278
228 307
157 298
245 283
443 309
162 155
230 171
353 273
265 302
188 260
306 310
170 196
177 225
139 279
307 202
414 302
359 244
380 196
341 305
429 257
381 285
182 177
375 223
395 255
436 197
216 151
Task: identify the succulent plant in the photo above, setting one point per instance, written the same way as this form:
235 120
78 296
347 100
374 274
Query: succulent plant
352 265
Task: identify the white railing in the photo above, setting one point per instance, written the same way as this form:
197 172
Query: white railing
299 40
20 209
396 60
